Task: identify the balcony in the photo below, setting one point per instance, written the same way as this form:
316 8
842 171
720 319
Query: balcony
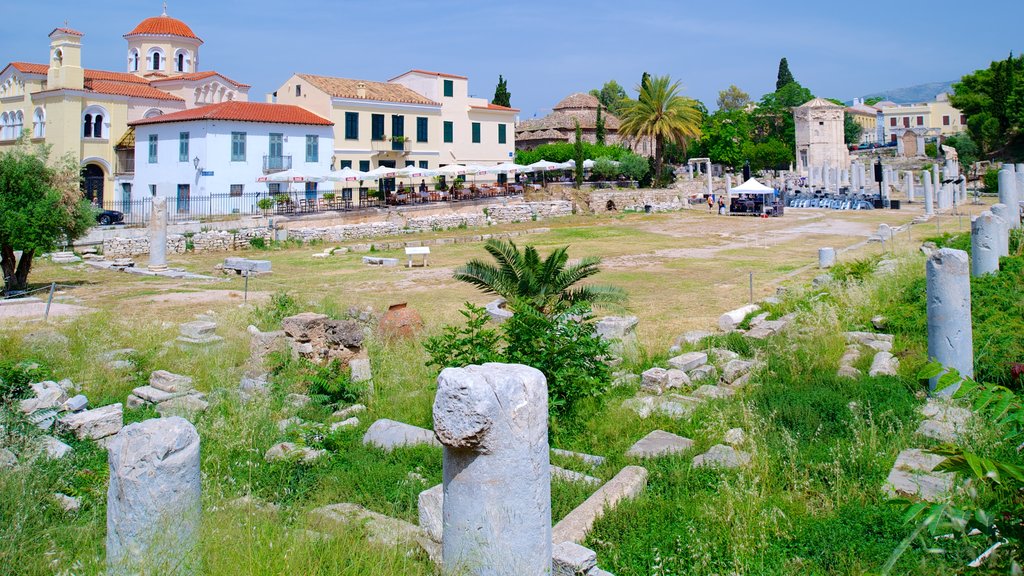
386 145
276 164
124 164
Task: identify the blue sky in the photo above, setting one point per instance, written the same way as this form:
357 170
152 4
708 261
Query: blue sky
547 50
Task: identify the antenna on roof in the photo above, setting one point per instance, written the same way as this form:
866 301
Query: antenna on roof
165 9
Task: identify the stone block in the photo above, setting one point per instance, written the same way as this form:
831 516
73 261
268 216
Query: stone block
705 372
389 434
654 380
187 407
170 382
594 461
197 329
571 559
289 451
430 503
689 361
380 529
659 443
75 403
628 483
735 437
54 448
360 370
721 456
937 430
133 402
713 392
349 423
913 476
723 355
48 395
884 364
68 503
93 424
349 411
573 476
247 265
154 395
734 369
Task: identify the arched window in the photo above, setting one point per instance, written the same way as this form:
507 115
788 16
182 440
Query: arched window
3 126
182 61
19 124
155 59
97 126
58 57
153 113
133 61
87 126
39 123
94 122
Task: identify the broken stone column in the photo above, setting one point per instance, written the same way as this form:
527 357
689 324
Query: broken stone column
985 230
1008 195
158 235
493 423
950 340
908 178
826 257
153 501
728 182
1002 214
929 196
862 176
708 176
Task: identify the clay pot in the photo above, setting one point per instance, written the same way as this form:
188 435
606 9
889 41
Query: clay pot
400 321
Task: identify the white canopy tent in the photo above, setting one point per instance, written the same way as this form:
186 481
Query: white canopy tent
752 186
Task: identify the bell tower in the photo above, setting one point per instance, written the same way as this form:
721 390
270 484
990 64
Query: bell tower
65 69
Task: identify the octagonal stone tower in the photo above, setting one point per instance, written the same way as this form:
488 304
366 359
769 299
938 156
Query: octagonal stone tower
820 138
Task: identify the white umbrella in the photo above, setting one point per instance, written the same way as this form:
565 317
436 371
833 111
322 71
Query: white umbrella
452 170
346 175
475 168
588 164
567 165
380 172
543 166
504 168
414 172
295 175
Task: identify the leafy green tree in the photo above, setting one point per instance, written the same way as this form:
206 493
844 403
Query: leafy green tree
605 168
578 155
502 97
785 76
634 166
773 117
732 98
724 136
544 284
993 101
611 96
872 101
565 151
41 206
599 129
645 79
662 114
769 155
966 149
852 131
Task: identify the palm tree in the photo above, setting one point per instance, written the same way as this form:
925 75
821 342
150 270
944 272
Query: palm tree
547 285
662 113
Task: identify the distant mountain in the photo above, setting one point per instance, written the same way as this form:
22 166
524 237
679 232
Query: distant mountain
914 94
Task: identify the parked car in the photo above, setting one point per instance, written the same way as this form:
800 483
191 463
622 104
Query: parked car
108 217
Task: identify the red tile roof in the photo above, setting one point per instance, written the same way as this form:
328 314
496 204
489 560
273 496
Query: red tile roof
30 68
491 106
163 26
379 91
429 73
200 76
67 31
129 89
242 112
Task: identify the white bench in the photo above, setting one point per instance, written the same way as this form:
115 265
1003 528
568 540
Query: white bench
413 251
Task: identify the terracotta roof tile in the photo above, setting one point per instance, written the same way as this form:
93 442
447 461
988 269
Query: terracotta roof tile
67 31
163 26
566 121
576 101
242 112
379 91
129 89
31 68
491 106
429 73
200 76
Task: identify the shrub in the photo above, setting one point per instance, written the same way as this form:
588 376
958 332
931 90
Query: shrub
605 169
473 343
855 270
991 180
633 166
280 306
15 378
331 385
265 204
258 243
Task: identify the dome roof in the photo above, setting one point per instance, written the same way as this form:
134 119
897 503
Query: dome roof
163 26
577 101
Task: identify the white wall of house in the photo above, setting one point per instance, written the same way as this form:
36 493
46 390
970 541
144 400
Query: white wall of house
211 142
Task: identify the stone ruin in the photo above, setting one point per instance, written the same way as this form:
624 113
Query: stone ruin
321 340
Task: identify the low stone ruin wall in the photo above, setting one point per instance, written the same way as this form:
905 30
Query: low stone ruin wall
529 211
219 241
664 200
126 247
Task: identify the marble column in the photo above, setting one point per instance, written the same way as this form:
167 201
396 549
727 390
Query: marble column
908 179
950 340
940 196
708 176
1009 194
929 195
728 182
862 169
153 499
492 421
985 247
158 234
1002 213
826 257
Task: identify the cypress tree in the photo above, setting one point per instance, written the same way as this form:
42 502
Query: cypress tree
578 153
785 76
502 97
599 127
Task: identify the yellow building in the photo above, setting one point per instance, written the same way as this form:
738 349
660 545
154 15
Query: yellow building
420 118
938 117
867 118
85 112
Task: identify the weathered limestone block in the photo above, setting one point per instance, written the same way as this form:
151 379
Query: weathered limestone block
628 483
93 424
950 340
573 476
170 382
380 529
735 436
620 332
594 461
1002 215
187 407
913 476
710 392
721 456
658 380
705 372
884 364
1009 195
49 394
349 411
289 451
153 501
493 423
723 355
671 405
735 369
571 559
430 504
659 443
389 434
360 371
731 319
689 361
54 448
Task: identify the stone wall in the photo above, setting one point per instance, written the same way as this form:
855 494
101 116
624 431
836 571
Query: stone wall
661 200
127 247
529 211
